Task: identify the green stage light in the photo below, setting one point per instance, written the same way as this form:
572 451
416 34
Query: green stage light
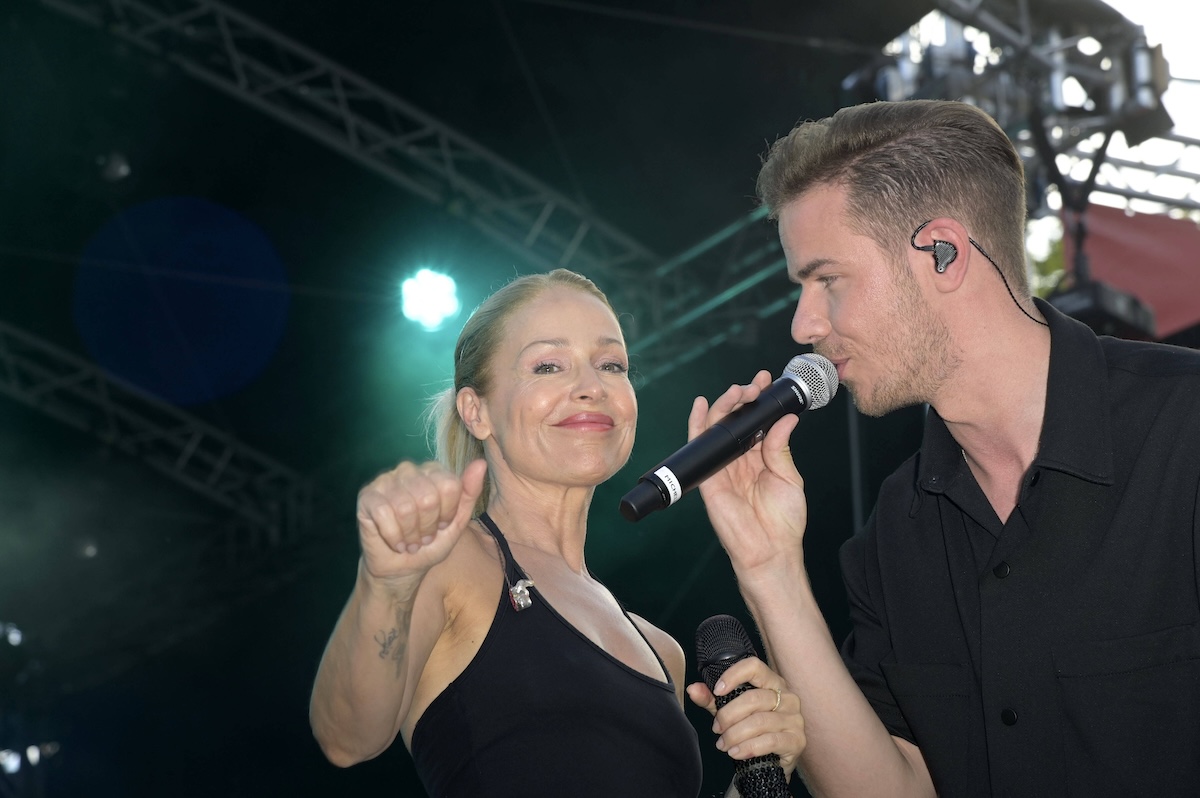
429 298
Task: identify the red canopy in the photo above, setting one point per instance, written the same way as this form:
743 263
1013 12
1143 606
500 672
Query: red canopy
1151 256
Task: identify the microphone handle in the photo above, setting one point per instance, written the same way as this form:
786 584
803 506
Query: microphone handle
713 449
749 423
760 776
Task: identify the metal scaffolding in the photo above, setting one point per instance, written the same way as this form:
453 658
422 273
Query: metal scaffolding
262 537
1160 187
682 312
1080 77
270 501
245 59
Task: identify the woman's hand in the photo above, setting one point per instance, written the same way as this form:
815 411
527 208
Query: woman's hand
760 721
409 518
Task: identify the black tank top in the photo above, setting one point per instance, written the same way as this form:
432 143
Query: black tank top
542 711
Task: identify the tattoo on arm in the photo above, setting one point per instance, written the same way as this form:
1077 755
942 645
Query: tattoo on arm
385 641
393 644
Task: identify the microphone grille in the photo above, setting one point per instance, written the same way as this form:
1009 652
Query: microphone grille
721 640
819 374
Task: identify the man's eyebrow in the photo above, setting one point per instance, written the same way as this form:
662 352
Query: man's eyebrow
805 271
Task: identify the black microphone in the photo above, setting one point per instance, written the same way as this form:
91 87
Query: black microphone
809 381
721 641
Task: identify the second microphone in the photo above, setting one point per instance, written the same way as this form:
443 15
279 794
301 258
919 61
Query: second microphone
809 382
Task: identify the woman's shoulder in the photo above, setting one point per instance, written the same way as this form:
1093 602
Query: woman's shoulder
668 647
655 635
473 562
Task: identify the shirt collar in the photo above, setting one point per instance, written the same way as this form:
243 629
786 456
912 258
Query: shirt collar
1076 437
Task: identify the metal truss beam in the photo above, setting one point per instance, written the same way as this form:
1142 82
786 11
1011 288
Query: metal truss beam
1022 78
126 623
249 548
734 279
272 501
1175 184
245 59
674 313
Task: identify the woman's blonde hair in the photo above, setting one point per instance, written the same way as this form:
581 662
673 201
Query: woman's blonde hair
453 444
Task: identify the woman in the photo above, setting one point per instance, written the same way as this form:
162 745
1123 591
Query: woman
475 630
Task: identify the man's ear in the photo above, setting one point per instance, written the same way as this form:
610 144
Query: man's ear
948 244
473 411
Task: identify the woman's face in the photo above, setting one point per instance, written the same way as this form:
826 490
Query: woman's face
560 409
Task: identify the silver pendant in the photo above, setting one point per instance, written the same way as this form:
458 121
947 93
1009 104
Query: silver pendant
518 594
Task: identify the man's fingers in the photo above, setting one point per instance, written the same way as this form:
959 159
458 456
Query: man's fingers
776 449
703 415
696 417
733 398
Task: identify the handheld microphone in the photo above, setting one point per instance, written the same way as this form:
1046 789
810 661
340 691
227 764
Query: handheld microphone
808 382
721 641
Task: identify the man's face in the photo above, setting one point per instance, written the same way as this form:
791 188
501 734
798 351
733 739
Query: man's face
862 307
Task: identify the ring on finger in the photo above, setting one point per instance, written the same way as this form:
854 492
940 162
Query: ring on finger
778 698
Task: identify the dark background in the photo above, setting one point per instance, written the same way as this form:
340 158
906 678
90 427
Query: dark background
160 673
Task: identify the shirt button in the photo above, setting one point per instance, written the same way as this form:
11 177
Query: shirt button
1002 570
1008 717
1033 480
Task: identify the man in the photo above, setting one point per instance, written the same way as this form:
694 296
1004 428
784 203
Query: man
1024 599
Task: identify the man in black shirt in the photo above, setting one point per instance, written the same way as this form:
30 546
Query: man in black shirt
1025 598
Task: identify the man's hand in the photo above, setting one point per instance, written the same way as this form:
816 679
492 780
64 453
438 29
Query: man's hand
756 504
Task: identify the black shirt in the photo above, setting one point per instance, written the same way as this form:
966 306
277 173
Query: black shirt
1058 653
543 711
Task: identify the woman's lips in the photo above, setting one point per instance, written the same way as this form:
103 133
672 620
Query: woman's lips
587 421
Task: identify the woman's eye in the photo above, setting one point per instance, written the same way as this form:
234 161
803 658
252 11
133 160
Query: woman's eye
545 368
615 366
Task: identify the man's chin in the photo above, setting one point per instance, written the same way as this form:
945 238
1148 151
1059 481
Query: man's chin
869 410
874 406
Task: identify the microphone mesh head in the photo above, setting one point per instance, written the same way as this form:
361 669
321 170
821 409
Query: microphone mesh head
818 374
720 641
